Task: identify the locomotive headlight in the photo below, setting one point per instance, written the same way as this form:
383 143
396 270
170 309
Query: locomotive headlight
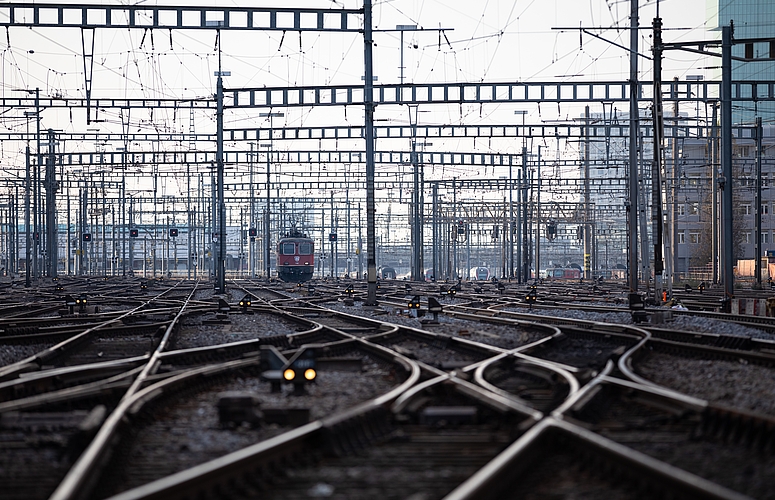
289 374
310 374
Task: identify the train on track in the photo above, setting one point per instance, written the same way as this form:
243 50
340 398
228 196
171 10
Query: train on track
295 257
387 273
564 273
480 273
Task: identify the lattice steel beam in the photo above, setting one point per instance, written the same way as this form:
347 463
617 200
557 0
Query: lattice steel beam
132 160
483 93
598 130
32 15
92 137
438 93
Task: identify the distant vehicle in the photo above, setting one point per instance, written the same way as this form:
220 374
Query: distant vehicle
387 273
480 273
295 257
564 273
429 275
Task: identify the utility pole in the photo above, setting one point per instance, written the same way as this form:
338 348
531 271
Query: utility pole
189 222
538 215
656 166
672 227
645 267
268 212
586 226
525 241
348 260
27 234
84 248
510 235
758 222
220 262
51 214
454 233
359 249
131 240
714 164
252 218
725 182
436 236
36 190
416 219
371 240
632 216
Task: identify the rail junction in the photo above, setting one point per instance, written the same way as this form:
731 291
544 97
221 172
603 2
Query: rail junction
166 389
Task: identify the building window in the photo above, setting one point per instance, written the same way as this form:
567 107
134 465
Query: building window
694 238
694 208
745 209
747 237
681 237
765 237
765 208
681 210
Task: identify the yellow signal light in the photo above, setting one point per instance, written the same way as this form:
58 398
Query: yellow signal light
289 374
310 374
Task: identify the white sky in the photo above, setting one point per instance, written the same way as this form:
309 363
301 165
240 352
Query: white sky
490 40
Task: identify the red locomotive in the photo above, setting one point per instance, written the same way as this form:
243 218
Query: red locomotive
567 273
295 257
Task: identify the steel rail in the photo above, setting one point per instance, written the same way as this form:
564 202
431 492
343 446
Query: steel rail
196 479
479 378
499 475
99 388
82 476
35 361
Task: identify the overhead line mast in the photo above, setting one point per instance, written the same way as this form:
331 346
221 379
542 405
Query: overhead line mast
632 214
368 83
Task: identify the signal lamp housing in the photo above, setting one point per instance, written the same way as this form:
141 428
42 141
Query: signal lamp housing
246 302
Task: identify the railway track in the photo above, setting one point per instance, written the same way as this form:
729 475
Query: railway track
683 432
183 418
467 399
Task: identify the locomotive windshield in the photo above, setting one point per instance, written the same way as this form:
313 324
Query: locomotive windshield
305 248
288 248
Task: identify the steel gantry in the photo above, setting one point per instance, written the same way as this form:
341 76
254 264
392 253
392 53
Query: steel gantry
368 95
596 129
433 93
91 17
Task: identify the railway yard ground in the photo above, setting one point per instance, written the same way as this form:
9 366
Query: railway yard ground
127 388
